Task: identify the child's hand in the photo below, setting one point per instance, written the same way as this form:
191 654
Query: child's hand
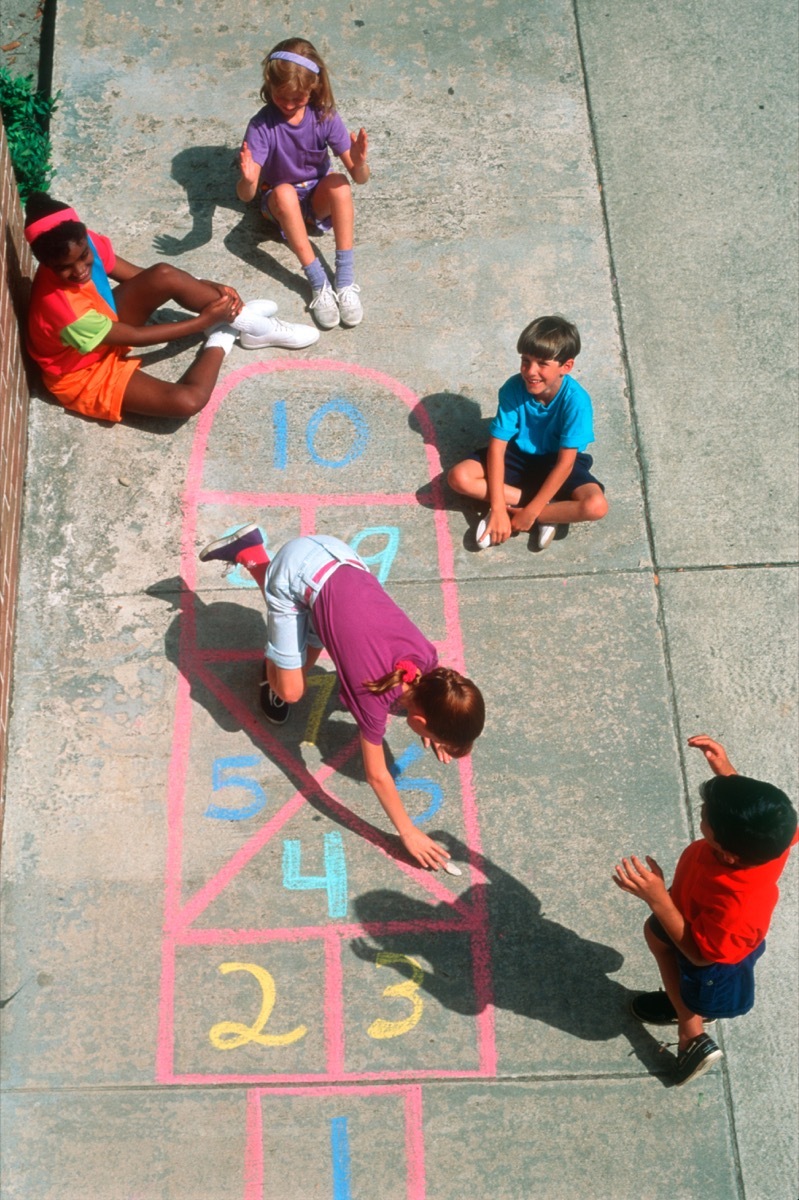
219 311
359 146
498 526
249 168
520 519
440 752
715 754
645 882
424 849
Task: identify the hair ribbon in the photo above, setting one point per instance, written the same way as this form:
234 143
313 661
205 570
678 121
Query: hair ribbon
299 59
408 670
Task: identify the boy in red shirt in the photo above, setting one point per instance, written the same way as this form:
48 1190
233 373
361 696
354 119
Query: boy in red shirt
708 930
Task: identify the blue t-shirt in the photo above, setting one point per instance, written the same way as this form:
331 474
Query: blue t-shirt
567 422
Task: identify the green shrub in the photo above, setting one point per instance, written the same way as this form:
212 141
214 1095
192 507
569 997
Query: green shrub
26 114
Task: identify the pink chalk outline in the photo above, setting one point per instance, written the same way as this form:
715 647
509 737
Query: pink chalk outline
197 664
254 1180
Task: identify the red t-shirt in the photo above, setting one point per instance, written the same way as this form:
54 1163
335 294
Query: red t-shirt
728 909
67 322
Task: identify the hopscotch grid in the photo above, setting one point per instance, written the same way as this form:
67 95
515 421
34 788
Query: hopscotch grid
191 662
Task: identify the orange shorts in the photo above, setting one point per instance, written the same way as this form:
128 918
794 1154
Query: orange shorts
96 390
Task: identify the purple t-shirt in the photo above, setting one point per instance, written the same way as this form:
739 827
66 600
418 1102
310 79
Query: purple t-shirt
294 153
366 633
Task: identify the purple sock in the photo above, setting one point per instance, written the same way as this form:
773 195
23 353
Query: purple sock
345 269
315 274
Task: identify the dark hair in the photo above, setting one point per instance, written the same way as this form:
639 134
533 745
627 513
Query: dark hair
52 246
753 820
452 706
278 74
550 338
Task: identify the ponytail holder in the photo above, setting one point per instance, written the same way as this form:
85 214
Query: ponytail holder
408 670
289 56
37 228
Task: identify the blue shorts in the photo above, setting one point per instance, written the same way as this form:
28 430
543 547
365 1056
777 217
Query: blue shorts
305 193
719 989
293 581
528 471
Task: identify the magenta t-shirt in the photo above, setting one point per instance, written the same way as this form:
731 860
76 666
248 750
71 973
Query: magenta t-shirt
294 153
366 633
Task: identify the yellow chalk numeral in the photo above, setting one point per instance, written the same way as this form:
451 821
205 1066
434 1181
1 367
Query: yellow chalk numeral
227 1035
406 989
323 686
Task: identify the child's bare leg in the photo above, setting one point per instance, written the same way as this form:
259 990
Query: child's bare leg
284 206
138 297
469 479
690 1025
333 198
587 503
287 683
152 397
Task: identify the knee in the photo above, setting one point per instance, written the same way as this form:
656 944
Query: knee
187 401
290 690
595 507
161 277
283 200
457 475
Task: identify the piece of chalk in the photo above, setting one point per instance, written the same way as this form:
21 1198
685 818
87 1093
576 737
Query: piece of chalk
451 869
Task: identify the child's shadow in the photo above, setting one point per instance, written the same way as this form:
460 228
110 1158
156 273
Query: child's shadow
208 176
540 969
455 425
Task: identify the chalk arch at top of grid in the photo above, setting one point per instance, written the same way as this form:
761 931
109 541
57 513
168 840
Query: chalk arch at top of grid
292 427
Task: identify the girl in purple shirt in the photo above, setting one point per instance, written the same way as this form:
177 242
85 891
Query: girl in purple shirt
320 594
284 159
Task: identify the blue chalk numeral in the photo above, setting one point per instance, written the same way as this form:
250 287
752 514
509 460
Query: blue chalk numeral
410 784
280 453
219 781
334 880
352 414
340 1154
384 557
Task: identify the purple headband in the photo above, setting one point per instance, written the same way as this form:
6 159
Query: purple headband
289 56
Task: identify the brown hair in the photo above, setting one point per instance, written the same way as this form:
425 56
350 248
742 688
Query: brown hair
550 338
279 74
452 706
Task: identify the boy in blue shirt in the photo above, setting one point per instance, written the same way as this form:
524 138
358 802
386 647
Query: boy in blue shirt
535 471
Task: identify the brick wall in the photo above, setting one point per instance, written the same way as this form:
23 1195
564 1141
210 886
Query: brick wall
15 276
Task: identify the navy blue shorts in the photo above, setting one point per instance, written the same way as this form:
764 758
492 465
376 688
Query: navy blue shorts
528 471
719 989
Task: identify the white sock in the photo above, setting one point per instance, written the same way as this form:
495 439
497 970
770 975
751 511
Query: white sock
255 317
222 336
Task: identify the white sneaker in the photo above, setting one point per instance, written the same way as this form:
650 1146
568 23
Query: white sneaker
251 317
545 535
349 305
482 538
324 307
280 333
221 336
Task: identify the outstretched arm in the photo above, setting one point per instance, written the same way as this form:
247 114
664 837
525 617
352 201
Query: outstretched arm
715 754
354 159
418 844
648 884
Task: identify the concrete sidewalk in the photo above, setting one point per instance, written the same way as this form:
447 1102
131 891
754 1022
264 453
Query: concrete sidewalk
217 981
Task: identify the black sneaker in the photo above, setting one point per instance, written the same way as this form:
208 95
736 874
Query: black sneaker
273 708
653 1008
697 1057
